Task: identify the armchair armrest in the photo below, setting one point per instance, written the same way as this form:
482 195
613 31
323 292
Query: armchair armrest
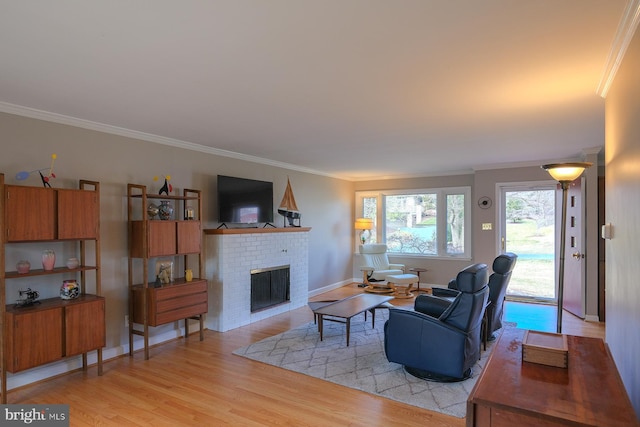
445 293
396 267
431 305
367 268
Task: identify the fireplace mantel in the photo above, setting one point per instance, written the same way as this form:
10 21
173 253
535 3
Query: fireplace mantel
215 231
231 254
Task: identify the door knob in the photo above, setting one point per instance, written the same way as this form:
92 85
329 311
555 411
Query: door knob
577 255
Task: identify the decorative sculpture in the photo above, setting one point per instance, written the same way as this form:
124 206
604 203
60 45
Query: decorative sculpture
30 298
22 175
166 188
288 207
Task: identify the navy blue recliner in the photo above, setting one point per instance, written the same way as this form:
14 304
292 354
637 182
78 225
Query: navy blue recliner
440 339
498 282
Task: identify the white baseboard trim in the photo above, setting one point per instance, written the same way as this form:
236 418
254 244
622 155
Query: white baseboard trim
332 287
44 372
592 318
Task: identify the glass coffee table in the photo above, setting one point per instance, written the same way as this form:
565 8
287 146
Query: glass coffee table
343 310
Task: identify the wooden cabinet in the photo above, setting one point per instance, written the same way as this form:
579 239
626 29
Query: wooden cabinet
84 326
169 303
33 338
53 328
29 213
177 239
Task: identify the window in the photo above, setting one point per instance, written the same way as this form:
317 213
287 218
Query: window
431 222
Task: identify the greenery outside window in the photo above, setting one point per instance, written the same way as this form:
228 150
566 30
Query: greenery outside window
427 222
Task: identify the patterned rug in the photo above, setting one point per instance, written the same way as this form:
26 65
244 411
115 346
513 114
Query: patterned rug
363 365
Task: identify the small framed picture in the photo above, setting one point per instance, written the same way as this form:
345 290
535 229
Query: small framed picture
164 271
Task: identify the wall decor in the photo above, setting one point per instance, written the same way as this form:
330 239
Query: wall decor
484 202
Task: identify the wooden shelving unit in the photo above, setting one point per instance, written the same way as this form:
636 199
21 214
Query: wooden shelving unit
151 304
54 328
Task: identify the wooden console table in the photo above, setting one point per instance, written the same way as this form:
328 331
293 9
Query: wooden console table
511 392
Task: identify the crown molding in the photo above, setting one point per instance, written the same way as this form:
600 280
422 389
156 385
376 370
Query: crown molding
33 113
626 29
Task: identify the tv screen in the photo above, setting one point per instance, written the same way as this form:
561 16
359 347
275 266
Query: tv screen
244 201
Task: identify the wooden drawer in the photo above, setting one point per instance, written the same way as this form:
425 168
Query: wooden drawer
172 302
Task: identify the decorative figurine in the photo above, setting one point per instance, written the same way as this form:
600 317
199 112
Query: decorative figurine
30 298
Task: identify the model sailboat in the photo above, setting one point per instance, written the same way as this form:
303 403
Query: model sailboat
288 208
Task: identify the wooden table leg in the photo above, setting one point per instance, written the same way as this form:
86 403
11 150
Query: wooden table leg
348 329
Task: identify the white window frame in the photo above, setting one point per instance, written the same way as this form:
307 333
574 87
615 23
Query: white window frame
441 212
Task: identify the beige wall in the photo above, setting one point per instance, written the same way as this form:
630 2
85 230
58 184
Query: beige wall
27 144
622 165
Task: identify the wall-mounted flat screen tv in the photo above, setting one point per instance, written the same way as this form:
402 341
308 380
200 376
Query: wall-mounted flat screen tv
244 201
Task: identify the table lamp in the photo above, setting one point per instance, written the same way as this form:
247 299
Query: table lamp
363 224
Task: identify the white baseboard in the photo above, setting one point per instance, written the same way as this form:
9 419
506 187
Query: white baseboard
591 318
332 287
43 372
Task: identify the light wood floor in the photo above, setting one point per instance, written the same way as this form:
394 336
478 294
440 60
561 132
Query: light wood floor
187 382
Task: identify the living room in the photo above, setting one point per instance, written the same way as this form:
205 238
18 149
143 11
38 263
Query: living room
115 157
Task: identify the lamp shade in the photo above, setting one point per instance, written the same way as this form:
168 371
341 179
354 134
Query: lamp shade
566 172
363 224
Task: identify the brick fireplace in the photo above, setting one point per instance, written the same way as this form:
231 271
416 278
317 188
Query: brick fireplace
231 256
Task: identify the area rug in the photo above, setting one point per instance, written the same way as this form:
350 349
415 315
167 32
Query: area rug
363 365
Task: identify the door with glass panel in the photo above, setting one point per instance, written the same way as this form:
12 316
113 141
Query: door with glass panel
527 228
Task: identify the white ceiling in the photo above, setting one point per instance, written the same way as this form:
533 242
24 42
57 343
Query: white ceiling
356 89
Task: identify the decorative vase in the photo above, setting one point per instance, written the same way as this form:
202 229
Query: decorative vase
69 289
23 266
48 259
73 263
188 275
165 210
152 210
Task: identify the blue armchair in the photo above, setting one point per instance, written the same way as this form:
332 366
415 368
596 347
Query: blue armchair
440 339
498 281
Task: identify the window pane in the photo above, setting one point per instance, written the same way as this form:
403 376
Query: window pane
455 224
410 223
370 210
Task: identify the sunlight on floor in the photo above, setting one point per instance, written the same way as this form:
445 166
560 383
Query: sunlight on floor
538 317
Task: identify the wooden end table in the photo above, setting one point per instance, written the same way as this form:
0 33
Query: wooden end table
419 270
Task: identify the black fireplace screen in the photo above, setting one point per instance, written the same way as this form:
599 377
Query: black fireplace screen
269 287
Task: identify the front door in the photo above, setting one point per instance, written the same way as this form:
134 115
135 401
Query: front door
574 290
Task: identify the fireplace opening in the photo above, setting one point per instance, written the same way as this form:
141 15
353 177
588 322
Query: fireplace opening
269 287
